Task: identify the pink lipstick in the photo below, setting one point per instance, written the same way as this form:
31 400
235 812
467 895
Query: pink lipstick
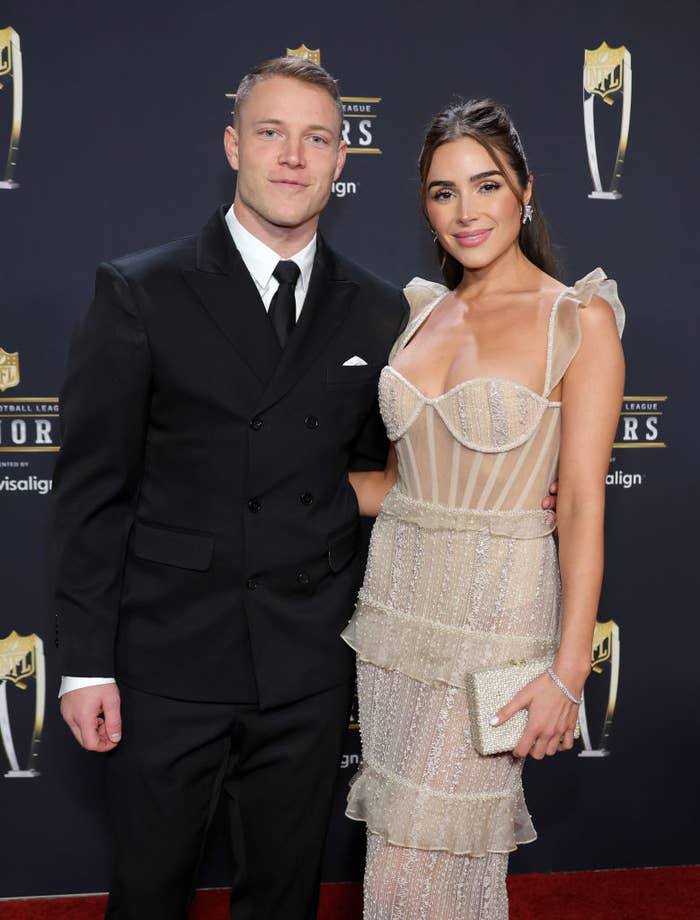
472 237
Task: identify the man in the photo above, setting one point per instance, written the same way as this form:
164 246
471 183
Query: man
205 532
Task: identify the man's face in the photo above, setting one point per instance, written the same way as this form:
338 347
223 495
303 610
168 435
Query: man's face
287 150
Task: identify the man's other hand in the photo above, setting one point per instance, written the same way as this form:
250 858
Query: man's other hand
549 502
93 714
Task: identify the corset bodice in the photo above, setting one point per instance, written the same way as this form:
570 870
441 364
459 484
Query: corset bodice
488 444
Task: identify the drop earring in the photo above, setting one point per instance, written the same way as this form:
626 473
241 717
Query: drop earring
527 214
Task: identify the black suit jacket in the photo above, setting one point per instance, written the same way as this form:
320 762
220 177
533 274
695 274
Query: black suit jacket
205 533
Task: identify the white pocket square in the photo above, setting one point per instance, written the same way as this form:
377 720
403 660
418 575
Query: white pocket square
355 361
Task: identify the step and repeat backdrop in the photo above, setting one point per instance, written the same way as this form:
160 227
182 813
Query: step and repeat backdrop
111 124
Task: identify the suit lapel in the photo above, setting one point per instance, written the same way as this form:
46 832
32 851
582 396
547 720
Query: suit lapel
325 309
228 293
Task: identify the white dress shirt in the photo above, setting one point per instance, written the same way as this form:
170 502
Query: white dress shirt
261 262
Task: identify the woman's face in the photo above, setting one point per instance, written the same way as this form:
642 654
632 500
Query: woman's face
470 206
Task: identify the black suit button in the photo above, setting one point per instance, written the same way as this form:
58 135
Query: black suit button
311 421
306 498
303 578
251 584
256 423
254 506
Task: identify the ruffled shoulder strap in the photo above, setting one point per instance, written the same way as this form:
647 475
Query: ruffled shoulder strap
564 325
420 295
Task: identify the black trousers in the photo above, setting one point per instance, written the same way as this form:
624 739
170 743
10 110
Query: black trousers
276 768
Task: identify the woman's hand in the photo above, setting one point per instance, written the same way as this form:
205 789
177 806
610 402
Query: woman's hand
551 717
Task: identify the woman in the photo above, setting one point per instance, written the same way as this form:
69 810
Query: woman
501 377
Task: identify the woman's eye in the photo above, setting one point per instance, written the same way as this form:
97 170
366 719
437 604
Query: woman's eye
442 194
489 187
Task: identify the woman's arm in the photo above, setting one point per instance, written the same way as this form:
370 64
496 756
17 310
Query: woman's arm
371 487
591 399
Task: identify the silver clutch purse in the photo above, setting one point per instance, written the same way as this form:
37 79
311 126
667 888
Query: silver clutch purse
490 689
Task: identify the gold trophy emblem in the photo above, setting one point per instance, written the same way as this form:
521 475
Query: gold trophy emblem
606 651
22 657
11 70
9 369
607 72
306 54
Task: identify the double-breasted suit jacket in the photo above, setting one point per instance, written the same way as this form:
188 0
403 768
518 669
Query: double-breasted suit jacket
205 533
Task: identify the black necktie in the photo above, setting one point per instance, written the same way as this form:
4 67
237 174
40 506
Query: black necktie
283 307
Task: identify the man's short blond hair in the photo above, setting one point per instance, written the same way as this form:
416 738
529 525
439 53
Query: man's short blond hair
296 69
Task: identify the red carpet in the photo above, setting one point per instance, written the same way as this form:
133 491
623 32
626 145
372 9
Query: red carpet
624 894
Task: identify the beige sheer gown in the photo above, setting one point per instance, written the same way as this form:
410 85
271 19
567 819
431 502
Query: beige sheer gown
462 573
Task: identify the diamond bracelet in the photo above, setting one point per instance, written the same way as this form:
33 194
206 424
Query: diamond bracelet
565 690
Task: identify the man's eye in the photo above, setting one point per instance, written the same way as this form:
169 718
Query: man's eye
317 139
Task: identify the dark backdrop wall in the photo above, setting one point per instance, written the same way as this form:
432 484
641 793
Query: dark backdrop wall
124 106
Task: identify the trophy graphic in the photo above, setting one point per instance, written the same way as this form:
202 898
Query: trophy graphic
11 69
606 72
354 717
606 651
22 657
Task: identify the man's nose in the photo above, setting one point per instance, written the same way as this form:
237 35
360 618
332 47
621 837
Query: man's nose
292 153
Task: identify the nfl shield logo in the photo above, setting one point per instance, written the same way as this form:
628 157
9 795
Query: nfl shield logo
603 71
9 369
306 54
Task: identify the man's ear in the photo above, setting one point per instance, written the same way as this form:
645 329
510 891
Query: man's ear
231 146
340 162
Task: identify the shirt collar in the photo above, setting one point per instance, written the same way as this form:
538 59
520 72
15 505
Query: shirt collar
261 261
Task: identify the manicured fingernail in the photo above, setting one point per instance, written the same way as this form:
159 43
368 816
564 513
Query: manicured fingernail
494 721
115 737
